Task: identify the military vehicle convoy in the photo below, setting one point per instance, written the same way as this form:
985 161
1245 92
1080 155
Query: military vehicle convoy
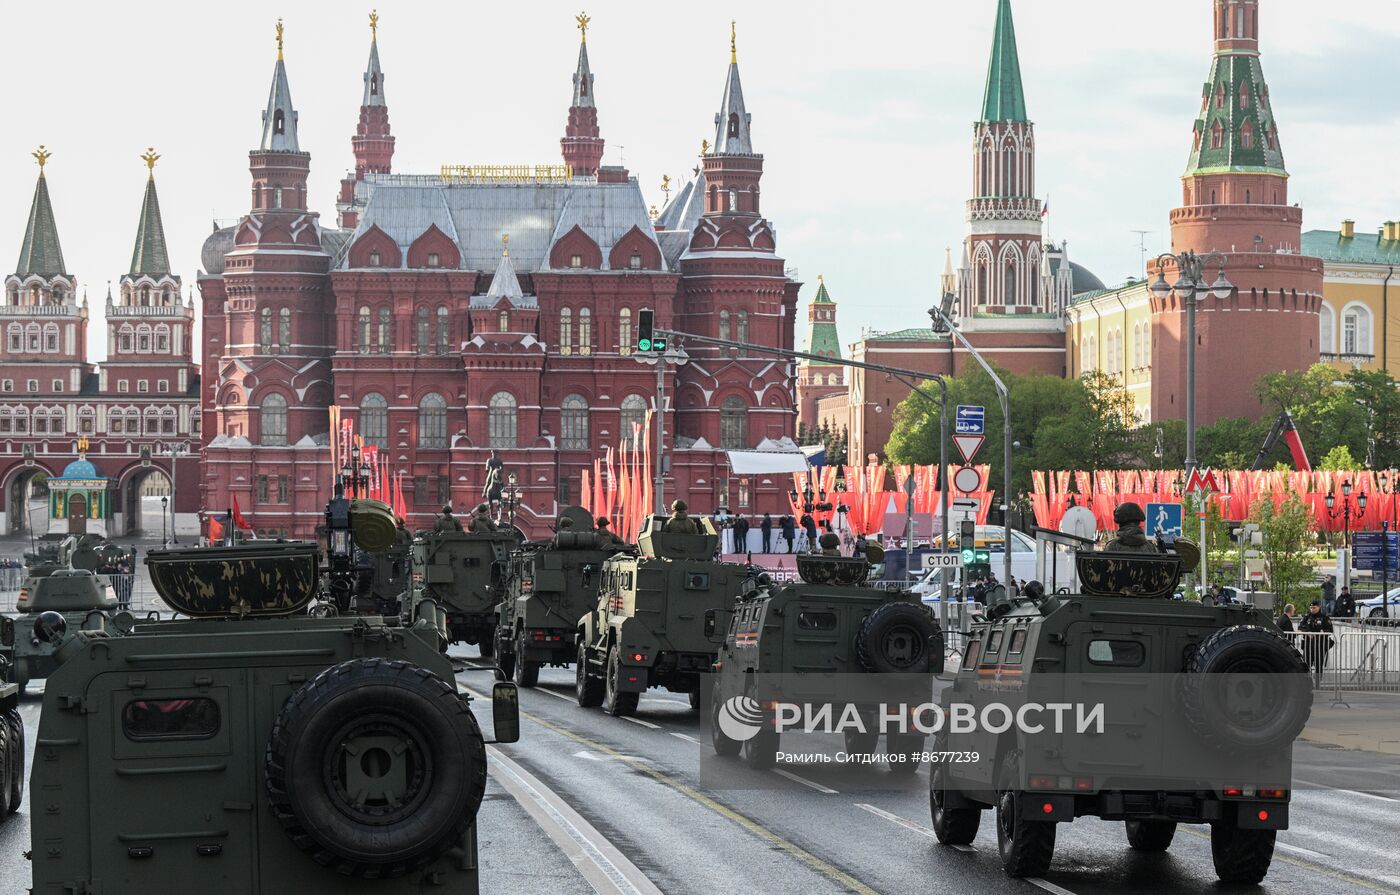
463 572
647 628
11 745
251 748
813 642
1203 706
548 586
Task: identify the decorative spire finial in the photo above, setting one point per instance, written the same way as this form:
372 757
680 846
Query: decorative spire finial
819 278
704 147
41 155
279 38
505 245
373 25
583 20
666 186
733 43
150 158
653 212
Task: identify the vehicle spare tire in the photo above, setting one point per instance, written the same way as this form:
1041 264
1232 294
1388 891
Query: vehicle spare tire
375 767
896 639
1246 688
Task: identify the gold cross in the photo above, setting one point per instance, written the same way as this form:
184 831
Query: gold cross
583 20
374 24
279 38
150 158
41 156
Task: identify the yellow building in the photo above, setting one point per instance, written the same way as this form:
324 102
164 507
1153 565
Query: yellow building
1110 330
1360 293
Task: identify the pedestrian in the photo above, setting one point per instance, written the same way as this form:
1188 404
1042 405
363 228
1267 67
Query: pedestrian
809 526
861 548
1285 621
1319 641
1329 595
766 528
1346 604
741 534
789 532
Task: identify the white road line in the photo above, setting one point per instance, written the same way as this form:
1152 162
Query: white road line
966 849
685 736
564 696
895 818
1351 792
1048 886
804 781
1305 852
641 722
607 870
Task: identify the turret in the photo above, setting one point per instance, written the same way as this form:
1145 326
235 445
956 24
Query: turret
373 143
732 168
581 145
278 165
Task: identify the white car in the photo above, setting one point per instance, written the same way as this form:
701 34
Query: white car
1375 607
992 537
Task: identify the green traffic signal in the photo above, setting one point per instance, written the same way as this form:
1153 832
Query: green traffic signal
983 556
968 557
644 344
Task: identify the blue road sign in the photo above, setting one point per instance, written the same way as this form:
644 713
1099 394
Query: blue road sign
1164 519
971 420
1371 548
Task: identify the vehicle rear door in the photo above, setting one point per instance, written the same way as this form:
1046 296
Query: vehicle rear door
1111 664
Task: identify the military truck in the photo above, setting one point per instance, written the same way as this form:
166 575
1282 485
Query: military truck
647 628
815 642
11 744
251 748
548 586
463 572
1202 705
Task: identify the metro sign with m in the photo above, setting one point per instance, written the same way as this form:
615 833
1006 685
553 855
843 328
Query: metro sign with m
1201 480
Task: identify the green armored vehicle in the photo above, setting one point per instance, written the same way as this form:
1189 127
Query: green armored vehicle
11 742
462 572
1182 713
251 748
819 641
548 586
647 628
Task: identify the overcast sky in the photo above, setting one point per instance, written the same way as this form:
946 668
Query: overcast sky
863 112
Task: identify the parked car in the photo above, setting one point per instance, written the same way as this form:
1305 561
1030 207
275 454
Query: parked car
1380 606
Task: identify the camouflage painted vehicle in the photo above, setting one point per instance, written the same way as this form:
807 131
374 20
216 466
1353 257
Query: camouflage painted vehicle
815 642
1203 705
83 598
647 628
549 585
258 750
11 745
384 577
463 572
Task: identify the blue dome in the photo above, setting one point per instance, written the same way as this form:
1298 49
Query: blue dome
80 469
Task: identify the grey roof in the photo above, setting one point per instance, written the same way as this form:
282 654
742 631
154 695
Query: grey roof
1081 278
504 283
216 245
733 104
374 78
476 215
673 246
279 131
583 80
683 212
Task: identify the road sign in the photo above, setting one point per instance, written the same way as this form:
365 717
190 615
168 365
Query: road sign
1165 519
1368 548
971 420
967 479
969 445
1201 480
943 561
966 505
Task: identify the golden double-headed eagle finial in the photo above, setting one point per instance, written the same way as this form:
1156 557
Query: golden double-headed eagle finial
41 155
505 245
374 25
150 158
733 42
704 147
583 20
279 38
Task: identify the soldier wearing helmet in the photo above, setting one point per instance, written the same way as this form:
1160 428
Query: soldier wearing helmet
680 522
1130 537
446 522
606 539
481 521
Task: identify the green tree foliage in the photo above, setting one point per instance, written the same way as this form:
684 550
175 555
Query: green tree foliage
1339 459
1287 541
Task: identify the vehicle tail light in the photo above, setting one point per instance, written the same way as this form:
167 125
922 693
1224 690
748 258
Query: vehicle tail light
639 657
1048 808
1041 781
1273 793
1084 784
1263 815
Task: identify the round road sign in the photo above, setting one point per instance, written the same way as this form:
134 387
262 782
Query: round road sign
967 480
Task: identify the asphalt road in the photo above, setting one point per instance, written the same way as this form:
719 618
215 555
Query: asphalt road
586 803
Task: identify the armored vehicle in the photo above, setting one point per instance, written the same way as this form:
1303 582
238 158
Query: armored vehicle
647 628
548 586
251 748
462 572
1198 709
814 642
11 745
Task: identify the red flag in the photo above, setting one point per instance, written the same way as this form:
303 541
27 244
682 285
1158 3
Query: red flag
403 504
216 530
238 521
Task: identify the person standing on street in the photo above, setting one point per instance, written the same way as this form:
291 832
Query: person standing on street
741 534
766 527
809 526
1319 641
1329 595
1346 604
789 532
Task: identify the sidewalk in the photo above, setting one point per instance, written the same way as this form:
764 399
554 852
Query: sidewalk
1371 724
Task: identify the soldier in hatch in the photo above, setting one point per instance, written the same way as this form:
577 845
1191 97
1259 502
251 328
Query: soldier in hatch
831 544
481 522
446 522
1130 537
680 522
606 539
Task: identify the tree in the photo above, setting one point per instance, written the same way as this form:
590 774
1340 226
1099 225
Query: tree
1339 459
1287 532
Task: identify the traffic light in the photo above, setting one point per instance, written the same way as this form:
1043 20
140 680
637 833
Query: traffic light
969 556
646 338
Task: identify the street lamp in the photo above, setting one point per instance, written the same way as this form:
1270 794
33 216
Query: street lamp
164 540
511 497
1349 509
1189 284
355 473
174 450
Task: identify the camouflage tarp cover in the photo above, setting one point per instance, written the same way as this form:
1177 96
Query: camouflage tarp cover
837 570
253 579
1109 574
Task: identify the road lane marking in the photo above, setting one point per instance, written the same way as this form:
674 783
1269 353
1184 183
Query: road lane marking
1048 886
685 736
797 852
811 784
565 696
911 826
641 722
1305 852
1366 883
1351 792
605 868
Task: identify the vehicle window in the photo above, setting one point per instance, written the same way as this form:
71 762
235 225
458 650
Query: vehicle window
970 658
1016 646
1128 653
697 580
816 621
170 719
993 646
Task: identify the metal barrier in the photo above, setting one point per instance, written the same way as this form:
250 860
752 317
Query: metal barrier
1353 658
12 573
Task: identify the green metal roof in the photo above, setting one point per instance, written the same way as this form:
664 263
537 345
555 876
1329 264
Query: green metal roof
822 337
1005 99
1363 248
916 334
150 256
822 297
1235 105
1091 295
41 254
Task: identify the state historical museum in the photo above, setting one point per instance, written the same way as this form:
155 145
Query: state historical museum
489 308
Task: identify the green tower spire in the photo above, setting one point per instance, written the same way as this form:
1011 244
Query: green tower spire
41 254
822 337
1005 99
150 257
1236 131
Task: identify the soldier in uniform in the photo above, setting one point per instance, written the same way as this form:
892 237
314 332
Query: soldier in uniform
680 522
481 521
446 522
831 544
1130 537
605 536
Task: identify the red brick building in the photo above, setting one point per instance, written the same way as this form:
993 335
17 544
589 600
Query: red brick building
489 309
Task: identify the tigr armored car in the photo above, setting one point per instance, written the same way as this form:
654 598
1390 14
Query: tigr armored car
462 572
11 745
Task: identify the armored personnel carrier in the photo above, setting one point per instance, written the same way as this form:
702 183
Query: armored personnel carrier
647 628
11 744
1199 709
816 642
548 586
462 573
251 748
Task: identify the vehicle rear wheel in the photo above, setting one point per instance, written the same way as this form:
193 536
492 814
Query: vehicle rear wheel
487 645
1026 846
588 687
1241 856
861 742
761 750
952 826
1151 835
903 751
723 744
1378 612
895 639
7 768
16 750
527 673
616 702
375 768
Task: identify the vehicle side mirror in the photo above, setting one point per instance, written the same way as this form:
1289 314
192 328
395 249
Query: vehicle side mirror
716 624
710 623
7 631
505 712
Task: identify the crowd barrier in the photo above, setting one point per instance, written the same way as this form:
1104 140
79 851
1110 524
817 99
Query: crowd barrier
1355 658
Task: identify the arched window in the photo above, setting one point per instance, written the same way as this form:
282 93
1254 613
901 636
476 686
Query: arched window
624 331
1089 359
985 158
753 194
423 337
634 415
1356 330
714 199
51 338
386 332
733 423
566 331
1244 95
1217 135
743 327
272 420
501 420
163 338
1009 286
284 330
724 324
573 423
983 286
733 124
444 332
374 419
124 337
33 335
278 122
1247 136
143 338
504 321
432 422
1327 326
363 329
16 337
1220 95
733 200
1009 187
585 331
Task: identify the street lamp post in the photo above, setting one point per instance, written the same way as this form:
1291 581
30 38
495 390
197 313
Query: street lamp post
1349 509
175 450
511 497
1189 284
164 539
